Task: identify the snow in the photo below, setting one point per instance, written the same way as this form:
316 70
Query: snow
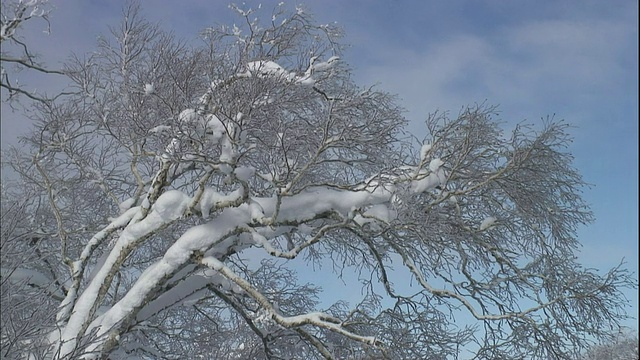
214 129
148 89
326 65
424 150
209 126
172 148
435 164
267 69
368 203
236 30
160 129
170 205
225 169
188 116
487 223
97 266
307 204
374 214
207 201
382 212
126 205
244 173
272 69
183 292
211 198
257 213
118 222
196 238
428 182
305 229
306 80
227 150
121 221
167 208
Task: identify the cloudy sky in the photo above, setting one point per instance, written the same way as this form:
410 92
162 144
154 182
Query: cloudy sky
575 59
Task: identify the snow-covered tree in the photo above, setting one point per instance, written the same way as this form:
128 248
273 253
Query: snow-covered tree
621 346
163 205
29 287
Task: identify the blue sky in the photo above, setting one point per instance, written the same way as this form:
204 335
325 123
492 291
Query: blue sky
575 59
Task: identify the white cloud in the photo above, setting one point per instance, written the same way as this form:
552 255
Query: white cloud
425 79
580 53
525 67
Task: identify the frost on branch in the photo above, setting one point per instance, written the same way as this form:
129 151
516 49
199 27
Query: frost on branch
148 89
487 223
17 55
180 221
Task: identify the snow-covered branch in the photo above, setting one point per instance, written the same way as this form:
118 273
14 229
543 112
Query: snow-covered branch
180 190
16 54
315 319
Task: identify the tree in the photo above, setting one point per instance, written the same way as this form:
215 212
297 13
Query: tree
180 182
621 346
27 292
16 55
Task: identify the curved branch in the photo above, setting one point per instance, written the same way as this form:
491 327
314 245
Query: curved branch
318 319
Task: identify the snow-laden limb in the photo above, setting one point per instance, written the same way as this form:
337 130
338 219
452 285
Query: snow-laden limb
168 208
319 200
293 252
184 293
488 222
321 66
204 238
424 152
267 69
257 149
429 181
79 267
271 69
158 183
160 129
196 239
